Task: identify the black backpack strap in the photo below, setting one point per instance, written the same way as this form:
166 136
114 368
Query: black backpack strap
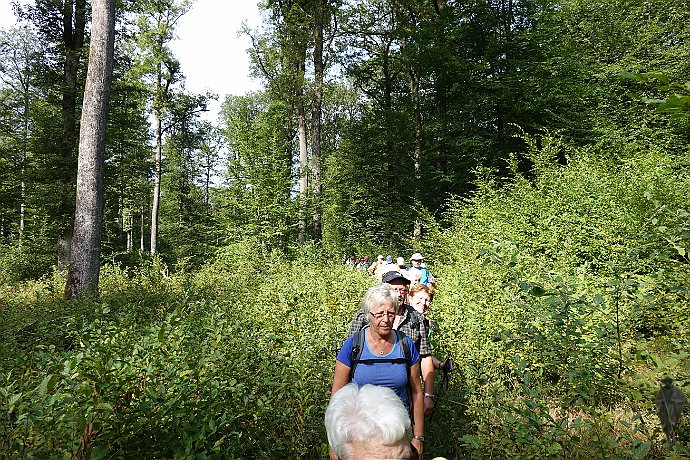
356 353
405 347
358 346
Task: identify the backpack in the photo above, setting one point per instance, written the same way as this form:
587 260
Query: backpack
358 346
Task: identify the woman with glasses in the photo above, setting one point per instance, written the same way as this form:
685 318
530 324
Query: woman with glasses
382 359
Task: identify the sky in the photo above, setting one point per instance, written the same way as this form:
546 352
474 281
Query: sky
212 55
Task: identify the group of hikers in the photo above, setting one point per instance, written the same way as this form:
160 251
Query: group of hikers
383 385
416 270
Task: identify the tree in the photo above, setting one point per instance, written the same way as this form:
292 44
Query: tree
19 53
157 25
84 268
62 26
257 201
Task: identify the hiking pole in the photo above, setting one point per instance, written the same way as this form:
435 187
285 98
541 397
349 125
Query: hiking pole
447 366
335 346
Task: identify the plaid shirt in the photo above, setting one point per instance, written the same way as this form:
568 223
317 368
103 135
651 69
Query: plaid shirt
412 325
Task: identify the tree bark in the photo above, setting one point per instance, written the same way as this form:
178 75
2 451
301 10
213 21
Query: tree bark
317 101
73 23
84 268
142 242
157 175
302 137
303 166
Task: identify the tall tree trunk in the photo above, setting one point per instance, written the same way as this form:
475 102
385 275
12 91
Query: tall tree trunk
317 101
130 231
157 175
417 155
74 21
84 268
391 159
142 228
303 166
25 150
302 137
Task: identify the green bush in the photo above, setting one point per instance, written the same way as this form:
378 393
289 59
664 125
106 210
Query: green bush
562 295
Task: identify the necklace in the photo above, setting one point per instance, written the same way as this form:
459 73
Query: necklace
383 350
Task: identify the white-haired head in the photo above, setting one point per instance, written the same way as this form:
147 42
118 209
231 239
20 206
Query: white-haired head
377 295
368 421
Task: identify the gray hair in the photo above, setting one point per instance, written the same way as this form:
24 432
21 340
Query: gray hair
370 414
376 295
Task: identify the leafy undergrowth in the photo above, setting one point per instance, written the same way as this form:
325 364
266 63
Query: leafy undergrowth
224 363
563 296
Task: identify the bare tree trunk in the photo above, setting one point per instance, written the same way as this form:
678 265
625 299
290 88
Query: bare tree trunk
317 101
142 243
84 268
25 149
130 232
74 23
416 156
158 172
303 178
303 154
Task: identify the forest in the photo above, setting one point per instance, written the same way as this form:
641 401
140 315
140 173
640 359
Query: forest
171 287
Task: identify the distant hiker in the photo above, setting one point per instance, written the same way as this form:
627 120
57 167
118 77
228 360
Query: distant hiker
385 267
368 422
414 275
352 262
381 355
411 323
363 264
400 261
669 404
417 261
372 268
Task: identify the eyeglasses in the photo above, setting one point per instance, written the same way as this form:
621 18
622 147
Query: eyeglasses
381 314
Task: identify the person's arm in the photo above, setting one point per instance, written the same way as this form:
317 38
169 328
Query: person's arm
428 379
341 377
417 408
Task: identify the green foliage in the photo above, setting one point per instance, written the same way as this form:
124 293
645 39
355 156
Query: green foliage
567 292
257 202
234 361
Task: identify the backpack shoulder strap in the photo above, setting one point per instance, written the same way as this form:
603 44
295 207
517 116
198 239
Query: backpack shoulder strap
405 347
358 346
356 353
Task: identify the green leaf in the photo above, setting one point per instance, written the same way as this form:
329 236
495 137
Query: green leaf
104 406
14 398
99 452
47 384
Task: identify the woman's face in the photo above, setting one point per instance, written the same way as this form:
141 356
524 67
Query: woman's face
420 301
381 318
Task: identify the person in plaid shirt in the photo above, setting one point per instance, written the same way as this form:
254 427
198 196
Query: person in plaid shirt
408 321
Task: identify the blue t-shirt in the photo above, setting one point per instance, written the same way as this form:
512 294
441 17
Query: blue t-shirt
385 374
